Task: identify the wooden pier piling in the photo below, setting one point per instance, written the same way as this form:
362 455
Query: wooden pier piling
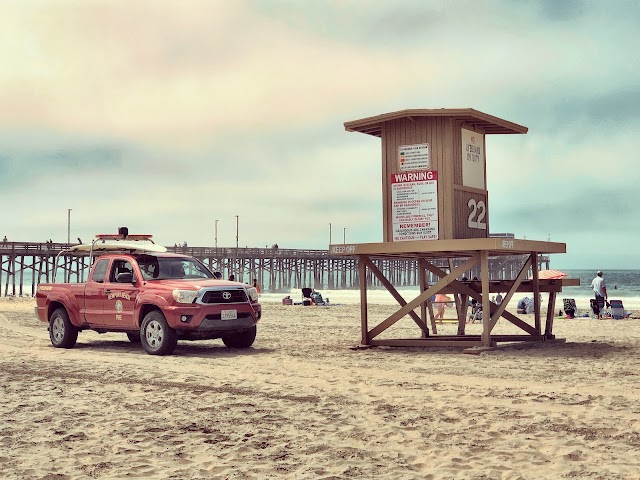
23 265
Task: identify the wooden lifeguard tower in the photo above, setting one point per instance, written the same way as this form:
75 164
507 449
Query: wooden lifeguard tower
436 206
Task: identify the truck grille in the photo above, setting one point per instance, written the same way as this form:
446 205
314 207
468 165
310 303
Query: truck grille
225 296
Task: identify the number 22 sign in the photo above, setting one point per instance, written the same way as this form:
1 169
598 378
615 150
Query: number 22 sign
477 214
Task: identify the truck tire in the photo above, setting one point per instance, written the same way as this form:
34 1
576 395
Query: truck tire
157 337
242 339
62 332
134 337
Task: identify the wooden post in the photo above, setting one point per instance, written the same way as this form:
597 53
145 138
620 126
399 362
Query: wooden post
486 310
536 292
364 324
551 312
422 279
424 284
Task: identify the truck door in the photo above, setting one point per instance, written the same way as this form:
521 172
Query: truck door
120 295
94 295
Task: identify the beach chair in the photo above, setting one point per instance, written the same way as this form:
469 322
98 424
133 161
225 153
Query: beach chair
570 309
306 295
599 309
317 298
617 309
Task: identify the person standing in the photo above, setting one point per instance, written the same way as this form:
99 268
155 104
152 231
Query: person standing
256 286
440 302
600 290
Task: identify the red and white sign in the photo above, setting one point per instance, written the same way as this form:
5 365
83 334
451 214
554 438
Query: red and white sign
414 204
414 157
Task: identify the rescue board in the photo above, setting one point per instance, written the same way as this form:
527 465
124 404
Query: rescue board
124 245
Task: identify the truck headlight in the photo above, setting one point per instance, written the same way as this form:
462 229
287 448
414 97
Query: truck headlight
252 293
185 296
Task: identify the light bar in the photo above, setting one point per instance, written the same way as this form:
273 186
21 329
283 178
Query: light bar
111 236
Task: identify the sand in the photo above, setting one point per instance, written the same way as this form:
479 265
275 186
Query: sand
301 404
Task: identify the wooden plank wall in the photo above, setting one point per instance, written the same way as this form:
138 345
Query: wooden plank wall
445 148
412 131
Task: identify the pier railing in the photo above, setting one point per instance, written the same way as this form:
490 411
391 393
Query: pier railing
23 265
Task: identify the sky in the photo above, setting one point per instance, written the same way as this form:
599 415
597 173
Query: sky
166 116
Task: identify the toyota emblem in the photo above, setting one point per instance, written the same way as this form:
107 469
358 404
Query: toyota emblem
226 295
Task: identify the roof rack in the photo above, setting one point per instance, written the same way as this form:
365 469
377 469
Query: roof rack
135 237
121 242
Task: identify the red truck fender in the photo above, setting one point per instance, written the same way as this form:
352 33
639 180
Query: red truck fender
147 302
69 304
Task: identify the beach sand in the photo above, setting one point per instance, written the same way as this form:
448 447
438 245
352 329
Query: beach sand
301 404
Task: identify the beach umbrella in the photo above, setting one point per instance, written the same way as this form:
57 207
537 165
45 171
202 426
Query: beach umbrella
550 275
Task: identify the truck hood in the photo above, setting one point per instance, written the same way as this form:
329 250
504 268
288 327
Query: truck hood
197 284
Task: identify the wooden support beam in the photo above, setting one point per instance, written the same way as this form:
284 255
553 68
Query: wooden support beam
551 312
426 342
509 294
422 297
422 278
536 292
394 293
362 268
460 287
486 309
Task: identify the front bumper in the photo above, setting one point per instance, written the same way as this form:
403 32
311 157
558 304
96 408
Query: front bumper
207 318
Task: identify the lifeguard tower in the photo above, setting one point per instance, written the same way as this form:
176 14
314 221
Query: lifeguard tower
436 206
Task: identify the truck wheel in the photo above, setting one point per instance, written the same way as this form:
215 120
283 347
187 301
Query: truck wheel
134 337
242 339
157 337
62 332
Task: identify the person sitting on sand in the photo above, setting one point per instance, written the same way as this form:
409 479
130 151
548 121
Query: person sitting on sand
476 312
523 305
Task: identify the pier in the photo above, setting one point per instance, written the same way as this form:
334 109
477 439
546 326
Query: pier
23 265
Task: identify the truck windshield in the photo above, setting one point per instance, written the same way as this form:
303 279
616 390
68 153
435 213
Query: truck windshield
162 268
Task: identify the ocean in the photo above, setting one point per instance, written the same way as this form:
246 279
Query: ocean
621 284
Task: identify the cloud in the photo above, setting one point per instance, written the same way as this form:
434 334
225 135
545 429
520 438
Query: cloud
167 116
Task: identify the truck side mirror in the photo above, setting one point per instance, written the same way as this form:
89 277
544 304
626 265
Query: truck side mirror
124 277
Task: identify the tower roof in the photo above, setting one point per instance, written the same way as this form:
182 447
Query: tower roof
488 123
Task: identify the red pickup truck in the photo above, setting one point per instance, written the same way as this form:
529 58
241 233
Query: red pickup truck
155 298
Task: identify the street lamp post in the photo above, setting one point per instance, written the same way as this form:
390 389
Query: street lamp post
329 233
344 235
216 234
68 226
237 229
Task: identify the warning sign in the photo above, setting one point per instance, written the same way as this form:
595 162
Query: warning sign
414 203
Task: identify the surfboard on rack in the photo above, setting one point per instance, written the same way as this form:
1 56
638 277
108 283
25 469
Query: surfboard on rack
123 246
